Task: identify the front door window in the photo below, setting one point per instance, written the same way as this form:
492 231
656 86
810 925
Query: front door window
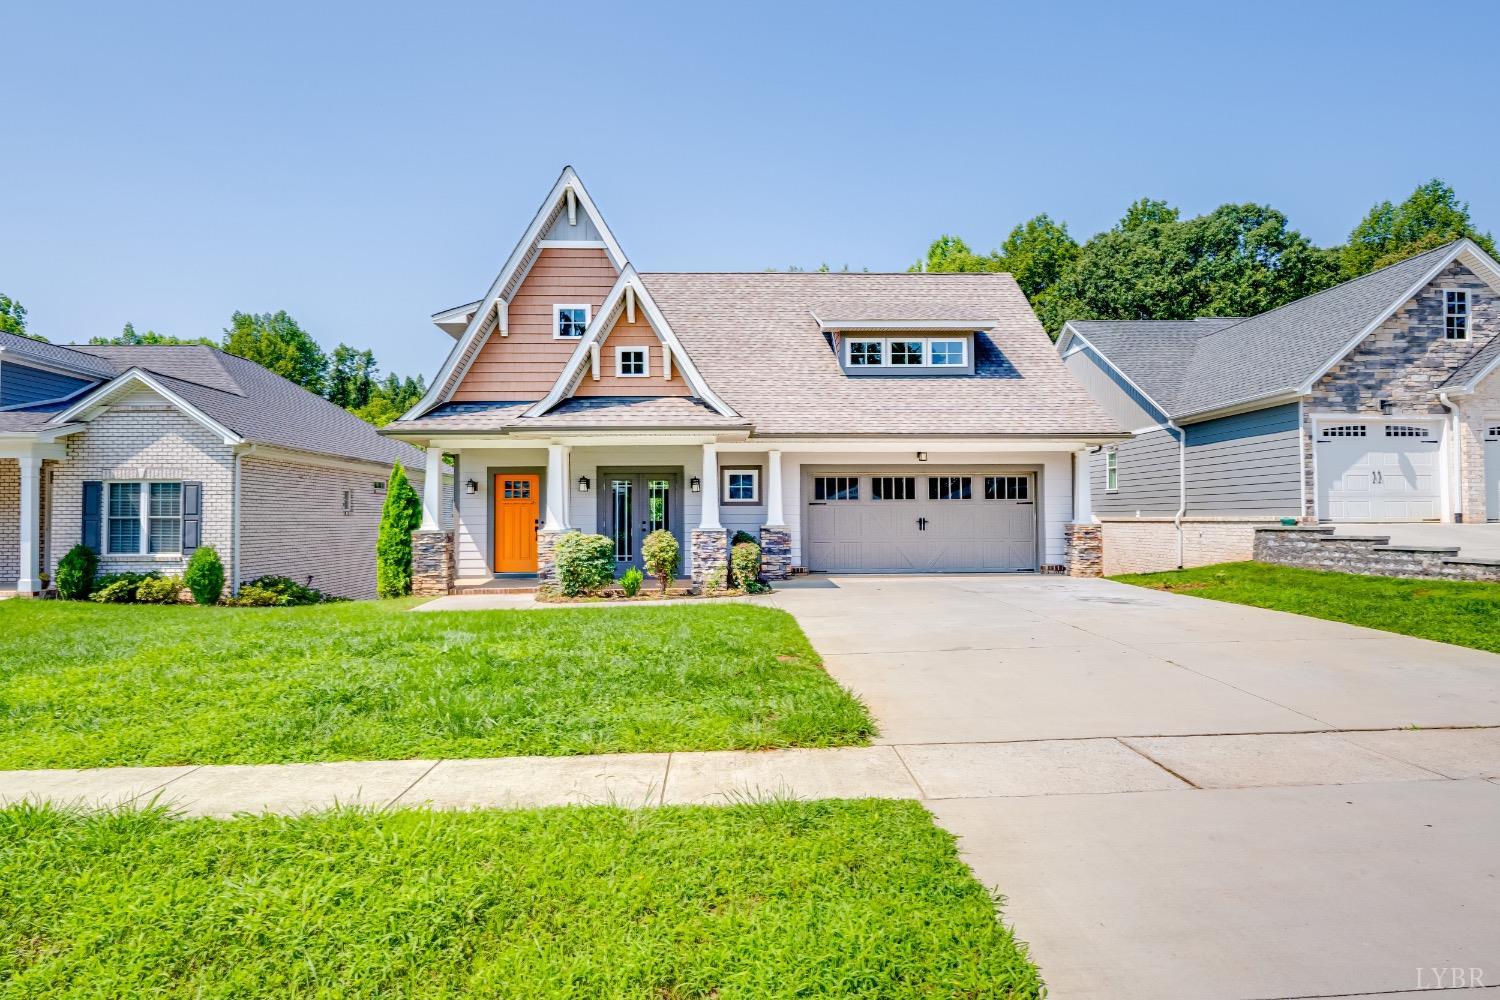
634 504
621 495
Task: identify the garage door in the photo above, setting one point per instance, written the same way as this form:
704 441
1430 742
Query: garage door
909 522
1492 470
1378 472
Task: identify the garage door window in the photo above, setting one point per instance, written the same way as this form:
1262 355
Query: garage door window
1493 434
1006 487
893 488
1406 431
1344 431
949 488
836 488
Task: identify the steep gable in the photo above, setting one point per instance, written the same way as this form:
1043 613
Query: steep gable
623 333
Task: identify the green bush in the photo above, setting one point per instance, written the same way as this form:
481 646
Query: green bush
159 590
293 594
205 576
741 537
252 596
119 588
662 556
585 563
631 581
75 573
745 559
401 516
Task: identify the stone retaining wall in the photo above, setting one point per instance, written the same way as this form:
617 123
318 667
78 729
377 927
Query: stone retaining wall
431 563
1367 555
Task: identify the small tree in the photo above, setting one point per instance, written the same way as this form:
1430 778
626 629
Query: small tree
75 573
205 576
662 556
585 563
400 517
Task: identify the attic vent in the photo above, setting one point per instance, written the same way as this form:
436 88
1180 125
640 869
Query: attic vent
1406 431
1345 431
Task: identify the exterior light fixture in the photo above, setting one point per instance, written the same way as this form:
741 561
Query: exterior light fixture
471 487
583 484
695 485
921 456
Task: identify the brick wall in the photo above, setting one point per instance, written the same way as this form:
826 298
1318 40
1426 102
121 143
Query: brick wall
142 437
1149 545
1475 413
293 523
10 522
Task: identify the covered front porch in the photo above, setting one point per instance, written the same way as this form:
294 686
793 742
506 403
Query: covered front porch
22 505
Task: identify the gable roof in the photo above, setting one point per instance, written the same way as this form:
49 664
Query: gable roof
1192 367
67 358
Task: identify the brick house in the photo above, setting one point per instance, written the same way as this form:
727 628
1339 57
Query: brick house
1372 401
145 453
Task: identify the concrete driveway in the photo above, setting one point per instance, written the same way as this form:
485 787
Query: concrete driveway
1293 852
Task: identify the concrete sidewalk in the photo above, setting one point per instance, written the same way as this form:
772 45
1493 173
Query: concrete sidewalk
932 772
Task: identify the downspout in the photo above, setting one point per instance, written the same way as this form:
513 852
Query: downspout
1181 488
1455 471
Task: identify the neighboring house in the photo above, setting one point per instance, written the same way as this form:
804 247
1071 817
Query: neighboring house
856 422
146 453
1371 401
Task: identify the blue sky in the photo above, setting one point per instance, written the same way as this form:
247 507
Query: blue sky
363 166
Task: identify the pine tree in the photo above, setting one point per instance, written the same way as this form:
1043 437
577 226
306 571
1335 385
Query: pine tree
401 516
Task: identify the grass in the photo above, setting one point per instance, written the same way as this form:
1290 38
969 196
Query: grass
860 898
85 685
1464 614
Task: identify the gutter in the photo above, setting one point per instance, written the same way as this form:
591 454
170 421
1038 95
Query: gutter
1455 472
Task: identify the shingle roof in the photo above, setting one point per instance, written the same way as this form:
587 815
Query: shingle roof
633 411
54 354
754 338
1475 365
1188 371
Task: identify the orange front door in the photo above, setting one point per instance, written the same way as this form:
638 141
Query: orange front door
516 509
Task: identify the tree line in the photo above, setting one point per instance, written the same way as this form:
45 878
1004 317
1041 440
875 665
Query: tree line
346 376
1238 260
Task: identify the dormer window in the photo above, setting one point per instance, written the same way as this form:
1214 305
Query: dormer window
866 352
906 353
1455 314
948 354
943 355
630 362
570 319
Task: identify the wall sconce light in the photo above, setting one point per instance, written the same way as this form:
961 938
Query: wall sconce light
921 456
471 487
583 484
695 485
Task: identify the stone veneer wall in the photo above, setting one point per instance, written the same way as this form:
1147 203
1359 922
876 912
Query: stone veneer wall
1367 555
1085 549
709 549
431 563
546 557
775 553
1405 361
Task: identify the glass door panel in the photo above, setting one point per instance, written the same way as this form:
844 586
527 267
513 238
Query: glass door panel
622 519
658 505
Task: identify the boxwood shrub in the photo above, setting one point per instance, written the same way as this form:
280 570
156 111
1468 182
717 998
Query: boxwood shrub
585 563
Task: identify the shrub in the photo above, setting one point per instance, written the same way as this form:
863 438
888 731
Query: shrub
119 588
290 591
205 575
585 563
662 556
741 537
159 590
75 573
631 581
713 580
401 516
745 558
252 596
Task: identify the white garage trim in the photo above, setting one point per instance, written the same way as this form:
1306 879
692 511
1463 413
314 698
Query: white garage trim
1349 447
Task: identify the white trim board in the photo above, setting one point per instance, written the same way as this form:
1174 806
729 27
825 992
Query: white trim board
105 394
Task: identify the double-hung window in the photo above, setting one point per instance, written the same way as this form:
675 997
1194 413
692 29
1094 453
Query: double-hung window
570 319
143 519
1111 470
1455 314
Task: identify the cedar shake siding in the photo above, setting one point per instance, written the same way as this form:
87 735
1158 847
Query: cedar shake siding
524 365
293 522
637 334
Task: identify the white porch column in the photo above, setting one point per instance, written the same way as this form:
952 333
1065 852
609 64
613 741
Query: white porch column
557 488
31 522
1083 502
775 516
432 491
708 519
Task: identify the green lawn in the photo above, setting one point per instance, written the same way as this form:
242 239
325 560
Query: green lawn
858 898
1465 614
84 685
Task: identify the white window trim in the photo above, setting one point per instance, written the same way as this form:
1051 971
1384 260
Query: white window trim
1468 313
644 352
558 307
754 475
144 515
885 351
1111 470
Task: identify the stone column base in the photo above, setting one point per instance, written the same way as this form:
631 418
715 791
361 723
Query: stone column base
710 549
546 558
775 553
1085 549
431 563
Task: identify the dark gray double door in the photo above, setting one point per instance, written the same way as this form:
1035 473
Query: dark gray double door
635 502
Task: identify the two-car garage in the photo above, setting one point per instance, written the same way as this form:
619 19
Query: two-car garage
920 520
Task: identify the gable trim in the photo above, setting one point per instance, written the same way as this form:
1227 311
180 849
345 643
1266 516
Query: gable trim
568 193
603 322
87 407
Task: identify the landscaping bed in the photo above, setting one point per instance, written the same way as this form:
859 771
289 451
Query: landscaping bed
1464 614
90 685
823 899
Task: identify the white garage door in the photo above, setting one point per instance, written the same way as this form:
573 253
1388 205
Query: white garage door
1378 472
1492 470
902 521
